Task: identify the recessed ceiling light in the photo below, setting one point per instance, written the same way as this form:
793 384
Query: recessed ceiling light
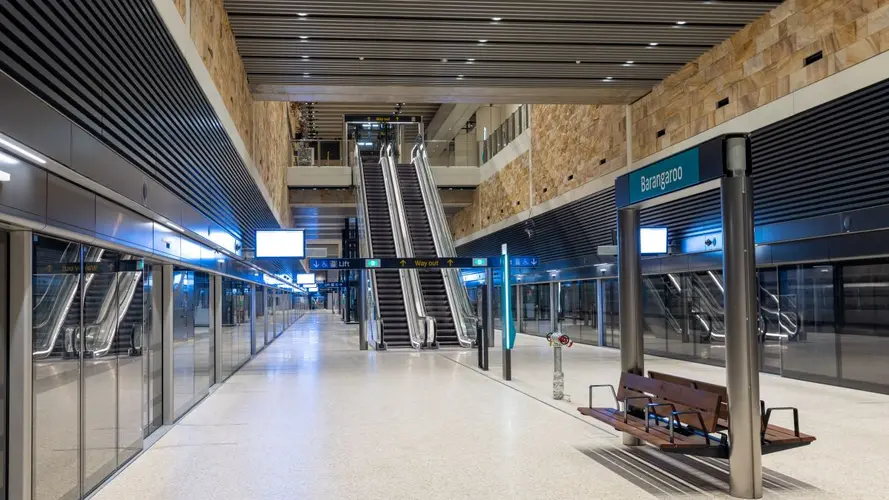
303 38
482 41
496 19
680 23
652 44
608 79
360 58
305 75
459 77
577 62
305 57
301 14
444 59
470 61
630 62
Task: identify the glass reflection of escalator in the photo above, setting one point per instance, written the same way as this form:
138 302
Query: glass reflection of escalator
777 318
54 307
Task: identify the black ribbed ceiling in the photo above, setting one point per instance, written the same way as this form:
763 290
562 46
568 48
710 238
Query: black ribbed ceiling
527 43
113 69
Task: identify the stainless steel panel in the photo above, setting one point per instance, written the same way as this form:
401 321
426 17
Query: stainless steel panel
203 335
100 377
119 224
183 341
165 241
162 201
57 376
94 160
195 221
29 120
131 344
25 191
69 205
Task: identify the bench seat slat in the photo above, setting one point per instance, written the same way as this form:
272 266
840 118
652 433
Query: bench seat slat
657 435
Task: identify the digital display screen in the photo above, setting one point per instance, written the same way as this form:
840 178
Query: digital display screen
281 243
653 240
305 279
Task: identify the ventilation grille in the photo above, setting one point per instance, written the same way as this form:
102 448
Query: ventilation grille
113 69
826 160
556 234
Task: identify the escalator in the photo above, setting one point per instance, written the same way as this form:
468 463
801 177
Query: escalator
390 298
432 282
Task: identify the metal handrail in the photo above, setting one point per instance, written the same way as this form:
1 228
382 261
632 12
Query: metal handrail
456 292
365 242
62 304
103 332
413 303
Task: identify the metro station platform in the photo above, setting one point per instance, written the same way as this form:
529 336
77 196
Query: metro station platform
314 417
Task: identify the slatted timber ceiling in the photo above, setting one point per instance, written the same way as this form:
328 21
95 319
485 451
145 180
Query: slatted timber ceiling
614 49
114 70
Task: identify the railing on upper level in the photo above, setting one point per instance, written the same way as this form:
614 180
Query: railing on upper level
507 132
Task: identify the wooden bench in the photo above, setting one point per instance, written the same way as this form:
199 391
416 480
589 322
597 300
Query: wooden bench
673 417
774 438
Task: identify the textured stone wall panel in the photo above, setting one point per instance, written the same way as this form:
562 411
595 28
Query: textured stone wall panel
263 126
762 62
213 37
572 145
272 151
507 192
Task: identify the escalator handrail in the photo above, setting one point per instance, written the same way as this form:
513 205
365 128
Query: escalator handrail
444 244
413 302
107 324
365 242
63 303
667 314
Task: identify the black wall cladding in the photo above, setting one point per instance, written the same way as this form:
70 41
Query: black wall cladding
112 68
821 161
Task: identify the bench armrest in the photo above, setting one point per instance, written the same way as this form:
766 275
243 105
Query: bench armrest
765 423
648 408
627 404
700 420
613 393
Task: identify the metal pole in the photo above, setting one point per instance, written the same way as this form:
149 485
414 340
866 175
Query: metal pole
558 375
519 308
600 310
489 305
362 310
629 276
741 352
555 293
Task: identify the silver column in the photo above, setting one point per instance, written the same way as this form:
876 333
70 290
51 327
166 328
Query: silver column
362 310
169 382
20 369
629 276
216 319
600 310
489 306
741 350
555 300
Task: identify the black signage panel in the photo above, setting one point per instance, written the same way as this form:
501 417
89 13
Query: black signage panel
382 119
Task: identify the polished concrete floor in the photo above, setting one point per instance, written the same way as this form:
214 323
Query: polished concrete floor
313 417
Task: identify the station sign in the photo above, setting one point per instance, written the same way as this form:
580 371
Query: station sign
683 170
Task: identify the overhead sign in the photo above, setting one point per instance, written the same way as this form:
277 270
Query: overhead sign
524 261
382 119
281 243
407 263
683 170
653 240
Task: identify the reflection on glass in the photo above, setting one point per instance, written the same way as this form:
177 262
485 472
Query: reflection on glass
56 288
865 332
183 340
612 313
812 353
